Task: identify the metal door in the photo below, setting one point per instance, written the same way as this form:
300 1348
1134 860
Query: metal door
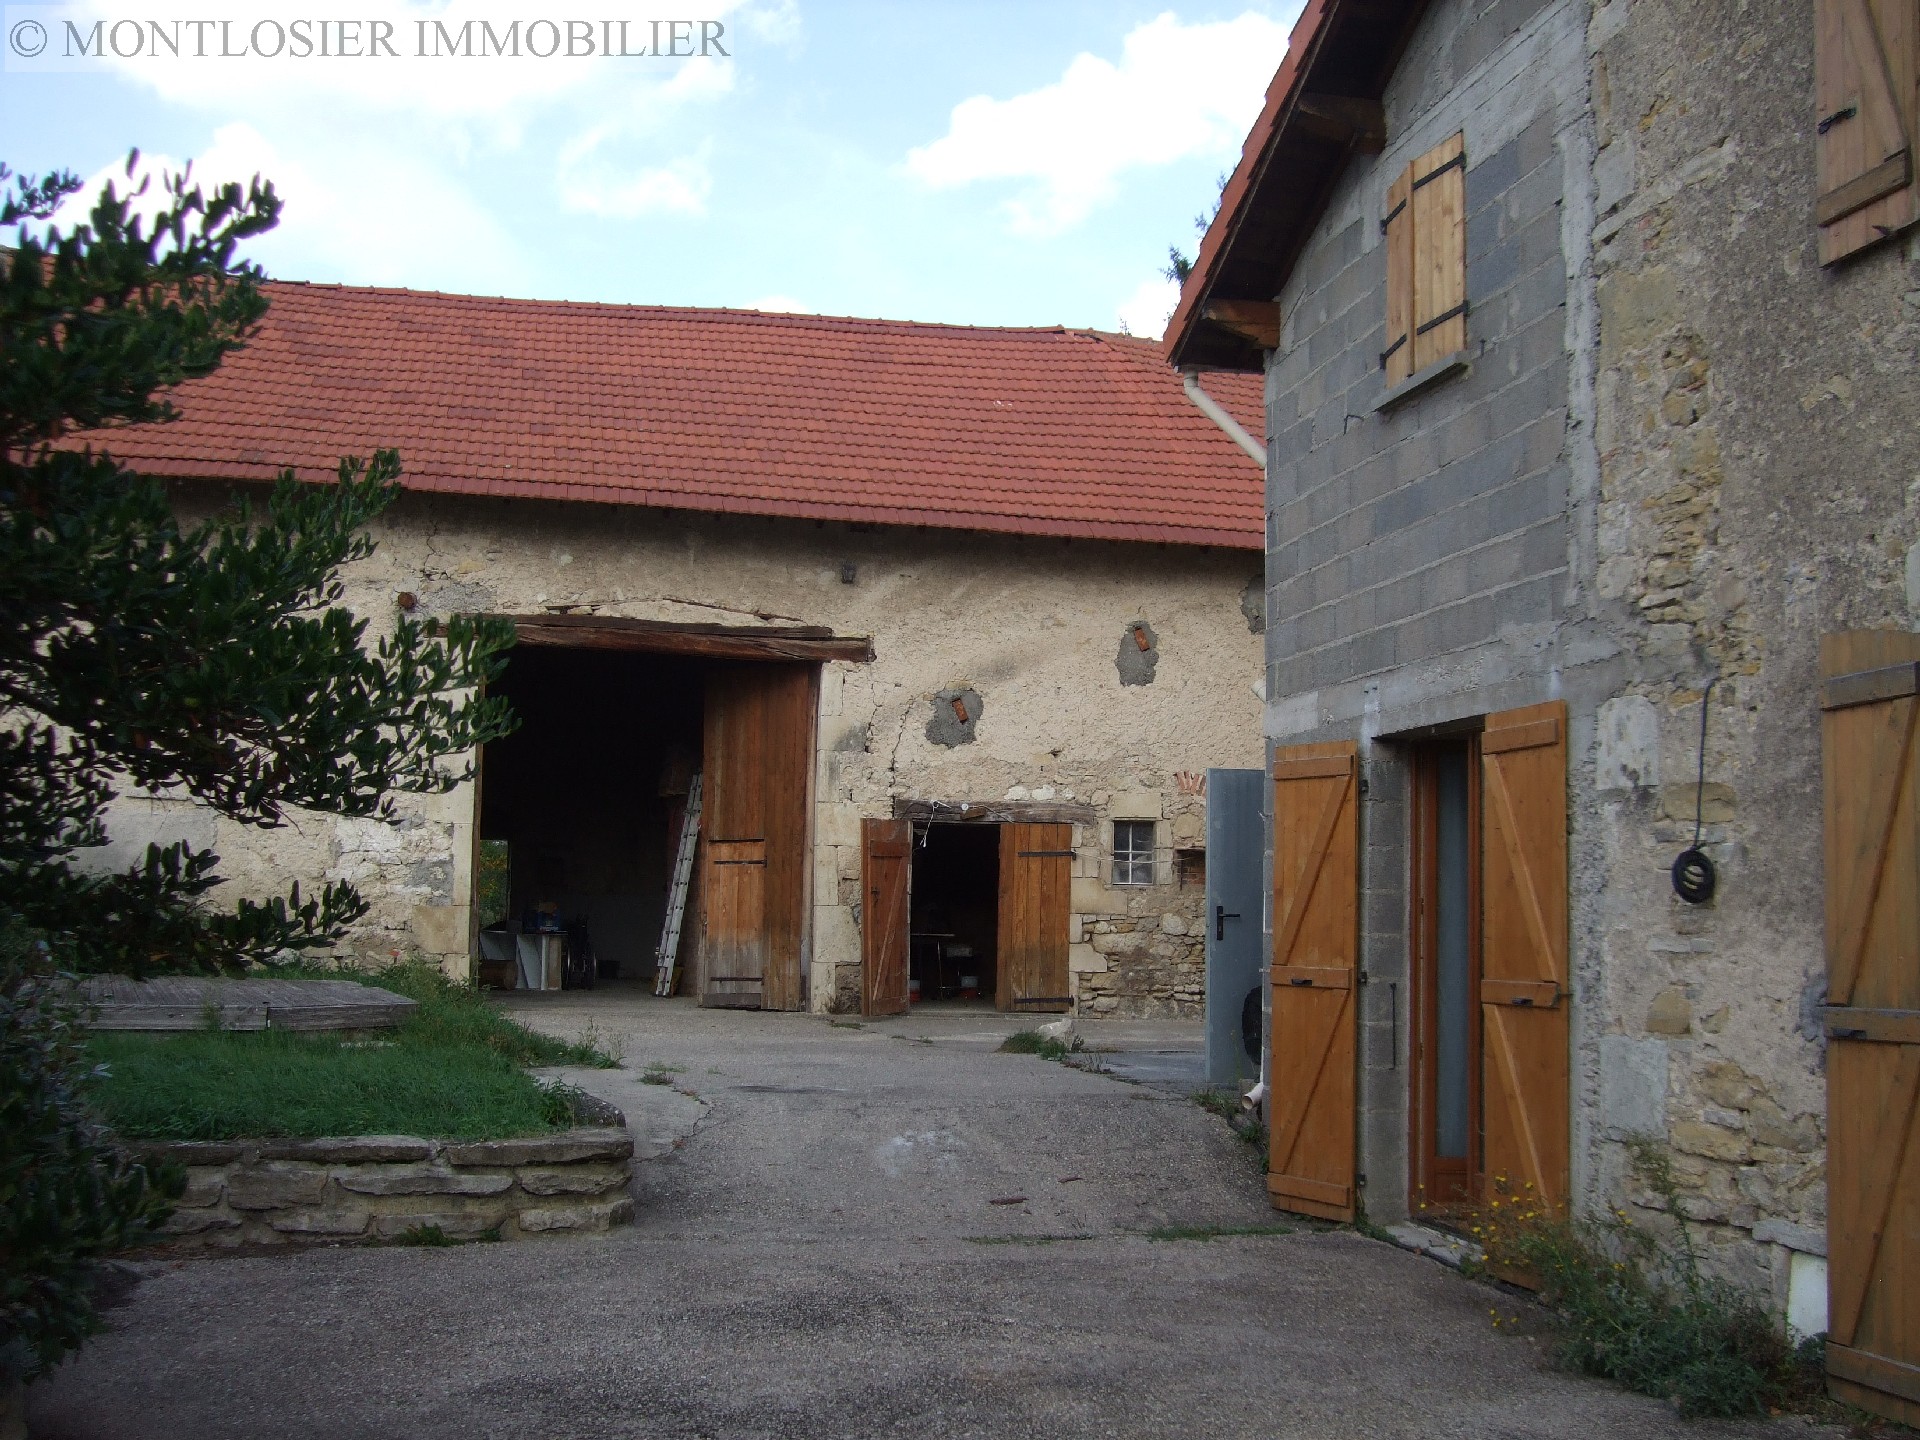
1236 840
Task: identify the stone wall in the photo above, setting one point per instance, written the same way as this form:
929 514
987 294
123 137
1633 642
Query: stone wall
379 1187
1757 488
1034 629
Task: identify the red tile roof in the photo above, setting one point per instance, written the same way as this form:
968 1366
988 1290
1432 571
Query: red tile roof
1030 431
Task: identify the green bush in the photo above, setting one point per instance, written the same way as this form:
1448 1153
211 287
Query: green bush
1637 1308
67 1195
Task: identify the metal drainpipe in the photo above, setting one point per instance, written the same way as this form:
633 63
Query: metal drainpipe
1212 409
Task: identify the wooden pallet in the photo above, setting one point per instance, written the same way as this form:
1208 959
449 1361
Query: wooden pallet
666 960
183 1002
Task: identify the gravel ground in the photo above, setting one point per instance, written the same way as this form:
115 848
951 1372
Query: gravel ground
876 1230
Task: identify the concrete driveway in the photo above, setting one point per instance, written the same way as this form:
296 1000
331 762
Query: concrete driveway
883 1230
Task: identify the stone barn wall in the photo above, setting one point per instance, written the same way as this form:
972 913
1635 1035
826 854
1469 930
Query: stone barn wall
1036 630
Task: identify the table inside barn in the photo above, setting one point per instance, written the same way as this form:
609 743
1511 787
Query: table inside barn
189 1002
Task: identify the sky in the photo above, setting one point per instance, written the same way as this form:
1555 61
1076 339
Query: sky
978 163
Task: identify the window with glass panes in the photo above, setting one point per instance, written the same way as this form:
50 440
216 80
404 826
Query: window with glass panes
1133 852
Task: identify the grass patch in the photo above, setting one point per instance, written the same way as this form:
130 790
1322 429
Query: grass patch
1226 1104
459 1014
434 1238
1032 1042
1636 1308
452 1070
1215 1232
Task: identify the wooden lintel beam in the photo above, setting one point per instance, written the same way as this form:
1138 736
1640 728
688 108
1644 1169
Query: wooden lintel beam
1257 321
712 643
1350 118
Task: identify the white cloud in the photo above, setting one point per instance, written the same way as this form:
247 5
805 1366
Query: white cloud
611 169
361 215
1147 310
594 187
1179 92
387 164
445 56
775 21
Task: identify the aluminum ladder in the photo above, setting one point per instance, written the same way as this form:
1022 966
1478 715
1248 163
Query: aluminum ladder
666 960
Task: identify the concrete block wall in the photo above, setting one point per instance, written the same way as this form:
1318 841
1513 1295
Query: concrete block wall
1422 562
1439 525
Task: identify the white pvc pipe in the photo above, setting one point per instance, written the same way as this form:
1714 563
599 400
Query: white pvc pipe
1214 411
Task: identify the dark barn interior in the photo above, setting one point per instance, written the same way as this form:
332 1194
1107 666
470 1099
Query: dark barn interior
589 792
956 911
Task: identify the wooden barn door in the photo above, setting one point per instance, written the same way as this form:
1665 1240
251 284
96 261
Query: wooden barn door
1873 1018
758 761
1524 1030
1316 859
886 868
1036 884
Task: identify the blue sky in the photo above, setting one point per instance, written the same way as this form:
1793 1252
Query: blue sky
982 163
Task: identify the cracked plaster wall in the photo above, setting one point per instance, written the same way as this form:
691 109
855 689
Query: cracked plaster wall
1027 623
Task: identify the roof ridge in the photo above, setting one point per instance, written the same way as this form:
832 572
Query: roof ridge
707 312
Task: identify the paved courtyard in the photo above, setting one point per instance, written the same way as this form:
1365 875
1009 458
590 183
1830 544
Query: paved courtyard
879 1230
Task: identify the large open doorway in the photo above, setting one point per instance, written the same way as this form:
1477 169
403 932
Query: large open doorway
583 812
585 800
965 912
955 930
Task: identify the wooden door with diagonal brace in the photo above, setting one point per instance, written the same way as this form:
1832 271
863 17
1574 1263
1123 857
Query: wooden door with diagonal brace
1524 1030
1316 935
1870 705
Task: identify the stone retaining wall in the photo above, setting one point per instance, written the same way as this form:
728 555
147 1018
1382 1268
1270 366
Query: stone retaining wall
378 1187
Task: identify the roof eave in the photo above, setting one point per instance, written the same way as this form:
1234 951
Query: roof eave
1343 51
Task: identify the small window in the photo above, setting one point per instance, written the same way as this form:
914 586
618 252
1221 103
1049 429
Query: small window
1133 852
1192 867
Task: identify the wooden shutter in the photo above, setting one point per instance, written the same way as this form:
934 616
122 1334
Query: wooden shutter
1866 74
1036 883
1425 224
1523 958
1316 877
758 761
1397 358
1439 208
1872 802
886 855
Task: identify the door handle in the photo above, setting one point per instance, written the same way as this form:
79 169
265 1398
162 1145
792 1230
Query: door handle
1220 917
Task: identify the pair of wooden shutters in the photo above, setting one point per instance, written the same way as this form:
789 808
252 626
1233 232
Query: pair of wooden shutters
1425 224
1036 880
1872 783
758 755
1523 988
1867 125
